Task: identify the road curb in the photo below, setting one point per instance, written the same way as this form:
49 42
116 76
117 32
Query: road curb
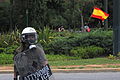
71 69
86 70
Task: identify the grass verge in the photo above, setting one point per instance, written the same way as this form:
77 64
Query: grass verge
95 61
62 60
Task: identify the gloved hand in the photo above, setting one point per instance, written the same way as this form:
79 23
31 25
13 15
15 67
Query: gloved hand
15 78
34 64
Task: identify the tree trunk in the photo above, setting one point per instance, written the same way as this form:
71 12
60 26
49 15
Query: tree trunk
82 23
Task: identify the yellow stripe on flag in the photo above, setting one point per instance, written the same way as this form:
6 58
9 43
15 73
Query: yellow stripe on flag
98 13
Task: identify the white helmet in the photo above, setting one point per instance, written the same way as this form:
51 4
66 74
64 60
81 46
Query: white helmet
29 35
28 30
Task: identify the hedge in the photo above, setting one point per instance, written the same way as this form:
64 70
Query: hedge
87 52
63 44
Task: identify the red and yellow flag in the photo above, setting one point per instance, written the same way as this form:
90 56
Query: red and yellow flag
98 13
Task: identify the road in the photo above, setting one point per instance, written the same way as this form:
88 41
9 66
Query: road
76 76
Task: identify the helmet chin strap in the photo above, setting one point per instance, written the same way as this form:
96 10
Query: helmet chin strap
32 46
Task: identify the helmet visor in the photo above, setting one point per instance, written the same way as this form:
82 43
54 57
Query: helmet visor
30 38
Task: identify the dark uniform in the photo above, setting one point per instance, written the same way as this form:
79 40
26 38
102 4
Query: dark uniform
28 61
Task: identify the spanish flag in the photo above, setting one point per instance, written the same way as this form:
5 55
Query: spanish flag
98 13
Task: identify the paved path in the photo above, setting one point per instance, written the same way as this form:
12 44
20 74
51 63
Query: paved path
76 76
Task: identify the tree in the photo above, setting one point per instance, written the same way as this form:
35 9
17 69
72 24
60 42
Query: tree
4 16
54 13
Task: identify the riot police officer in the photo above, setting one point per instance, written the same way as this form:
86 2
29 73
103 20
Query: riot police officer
29 57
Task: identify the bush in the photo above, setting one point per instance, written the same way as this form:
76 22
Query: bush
8 39
59 46
78 52
6 58
87 52
8 50
63 44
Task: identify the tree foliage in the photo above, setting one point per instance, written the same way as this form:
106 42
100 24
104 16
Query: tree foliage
52 13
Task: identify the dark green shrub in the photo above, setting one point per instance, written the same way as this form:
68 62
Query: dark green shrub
79 52
63 45
87 52
1 50
10 38
58 46
9 49
61 42
6 58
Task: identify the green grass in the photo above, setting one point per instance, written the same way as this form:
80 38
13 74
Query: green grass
62 60
81 67
60 57
84 62
113 66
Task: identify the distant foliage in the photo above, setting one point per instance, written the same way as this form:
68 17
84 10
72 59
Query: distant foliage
67 43
63 44
111 56
52 13
87 52
6 58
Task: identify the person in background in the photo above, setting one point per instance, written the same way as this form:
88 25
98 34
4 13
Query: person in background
60 29
87 28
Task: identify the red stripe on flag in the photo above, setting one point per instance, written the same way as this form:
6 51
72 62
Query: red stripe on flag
99 17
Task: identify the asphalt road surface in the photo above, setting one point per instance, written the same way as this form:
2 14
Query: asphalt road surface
76 76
